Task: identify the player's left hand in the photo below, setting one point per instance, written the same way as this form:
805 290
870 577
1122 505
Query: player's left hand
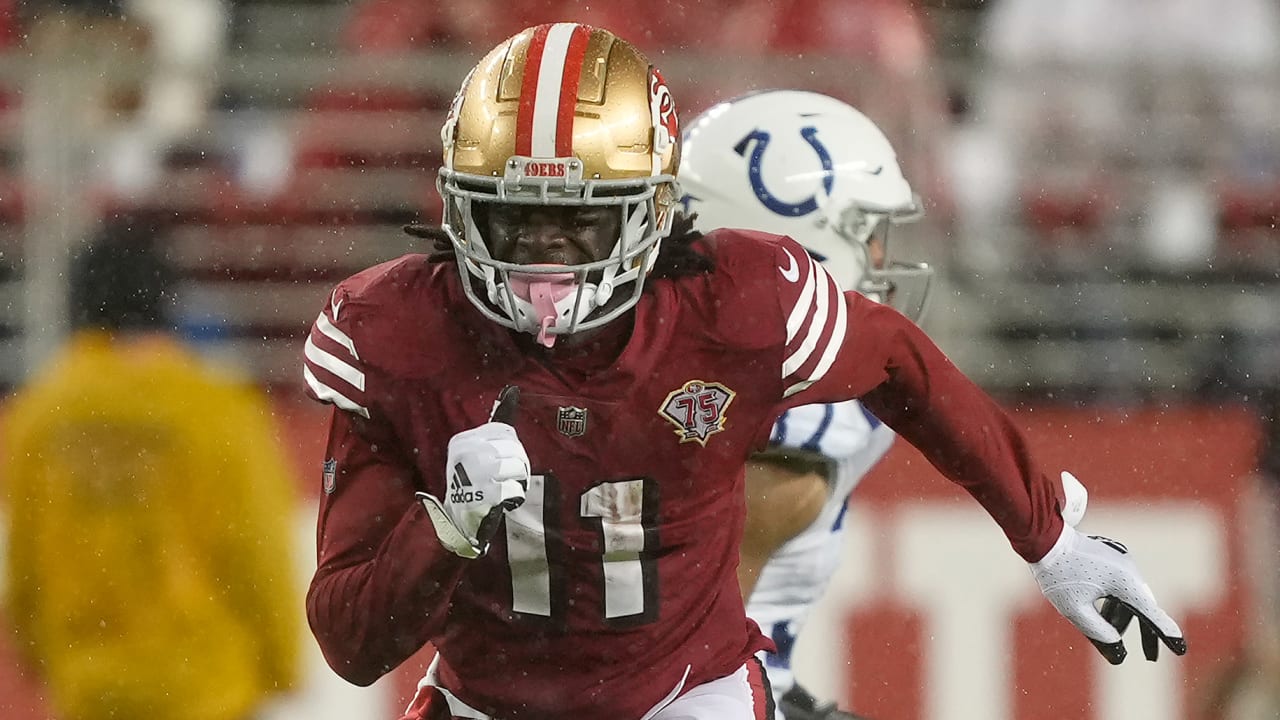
1082 569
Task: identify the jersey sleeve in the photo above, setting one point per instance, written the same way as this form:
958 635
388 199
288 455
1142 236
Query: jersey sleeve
840 345
383 582
332 368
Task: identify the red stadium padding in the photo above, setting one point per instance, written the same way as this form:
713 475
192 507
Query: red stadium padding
1190 459
1250 207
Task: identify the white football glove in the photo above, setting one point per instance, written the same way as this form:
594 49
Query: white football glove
488 474
1079 570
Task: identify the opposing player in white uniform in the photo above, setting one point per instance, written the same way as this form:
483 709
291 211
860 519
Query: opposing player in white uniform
811 167
796 574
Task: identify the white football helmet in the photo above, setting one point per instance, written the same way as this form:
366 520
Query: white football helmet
569 115
811 167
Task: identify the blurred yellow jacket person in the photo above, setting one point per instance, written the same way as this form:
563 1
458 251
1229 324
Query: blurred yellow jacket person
150 572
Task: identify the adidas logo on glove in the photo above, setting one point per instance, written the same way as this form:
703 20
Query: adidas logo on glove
460 489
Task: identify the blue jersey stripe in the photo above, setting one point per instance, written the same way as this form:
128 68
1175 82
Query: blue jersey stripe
871 419
814 444
840 516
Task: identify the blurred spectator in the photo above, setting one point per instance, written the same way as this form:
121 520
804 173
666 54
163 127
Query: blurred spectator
83 50
139 72
1138 117
149 568
187 39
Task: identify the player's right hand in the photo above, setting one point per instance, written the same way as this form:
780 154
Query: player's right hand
1081 570
488 474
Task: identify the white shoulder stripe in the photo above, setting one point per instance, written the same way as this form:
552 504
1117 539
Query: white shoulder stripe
831 349
802 385
328 394
836 341
803 303
334 364
332 332
816 325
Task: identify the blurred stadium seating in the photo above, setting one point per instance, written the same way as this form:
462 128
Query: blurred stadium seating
1119 170
323 140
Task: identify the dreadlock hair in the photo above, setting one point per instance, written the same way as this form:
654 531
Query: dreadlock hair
120 280
679 255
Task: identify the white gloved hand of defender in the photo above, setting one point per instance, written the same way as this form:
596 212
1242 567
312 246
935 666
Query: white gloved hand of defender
488 474
1080 570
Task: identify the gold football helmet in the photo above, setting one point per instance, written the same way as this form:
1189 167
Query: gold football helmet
561 114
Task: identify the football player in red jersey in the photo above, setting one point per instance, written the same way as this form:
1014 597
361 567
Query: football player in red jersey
539 434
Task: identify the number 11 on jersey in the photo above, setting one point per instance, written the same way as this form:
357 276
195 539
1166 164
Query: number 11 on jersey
624 514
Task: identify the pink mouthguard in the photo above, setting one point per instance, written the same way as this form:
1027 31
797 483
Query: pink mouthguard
543 291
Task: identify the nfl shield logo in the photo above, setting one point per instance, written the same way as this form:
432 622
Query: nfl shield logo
571 421
330 475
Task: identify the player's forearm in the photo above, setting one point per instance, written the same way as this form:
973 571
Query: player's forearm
371 616
964 434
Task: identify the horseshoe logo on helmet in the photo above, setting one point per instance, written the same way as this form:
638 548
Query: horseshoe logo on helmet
758 140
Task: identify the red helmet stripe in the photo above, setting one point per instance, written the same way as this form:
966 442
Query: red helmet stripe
552 72
529 90
576 54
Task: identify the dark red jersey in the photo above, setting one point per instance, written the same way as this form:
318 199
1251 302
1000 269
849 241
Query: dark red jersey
616 579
